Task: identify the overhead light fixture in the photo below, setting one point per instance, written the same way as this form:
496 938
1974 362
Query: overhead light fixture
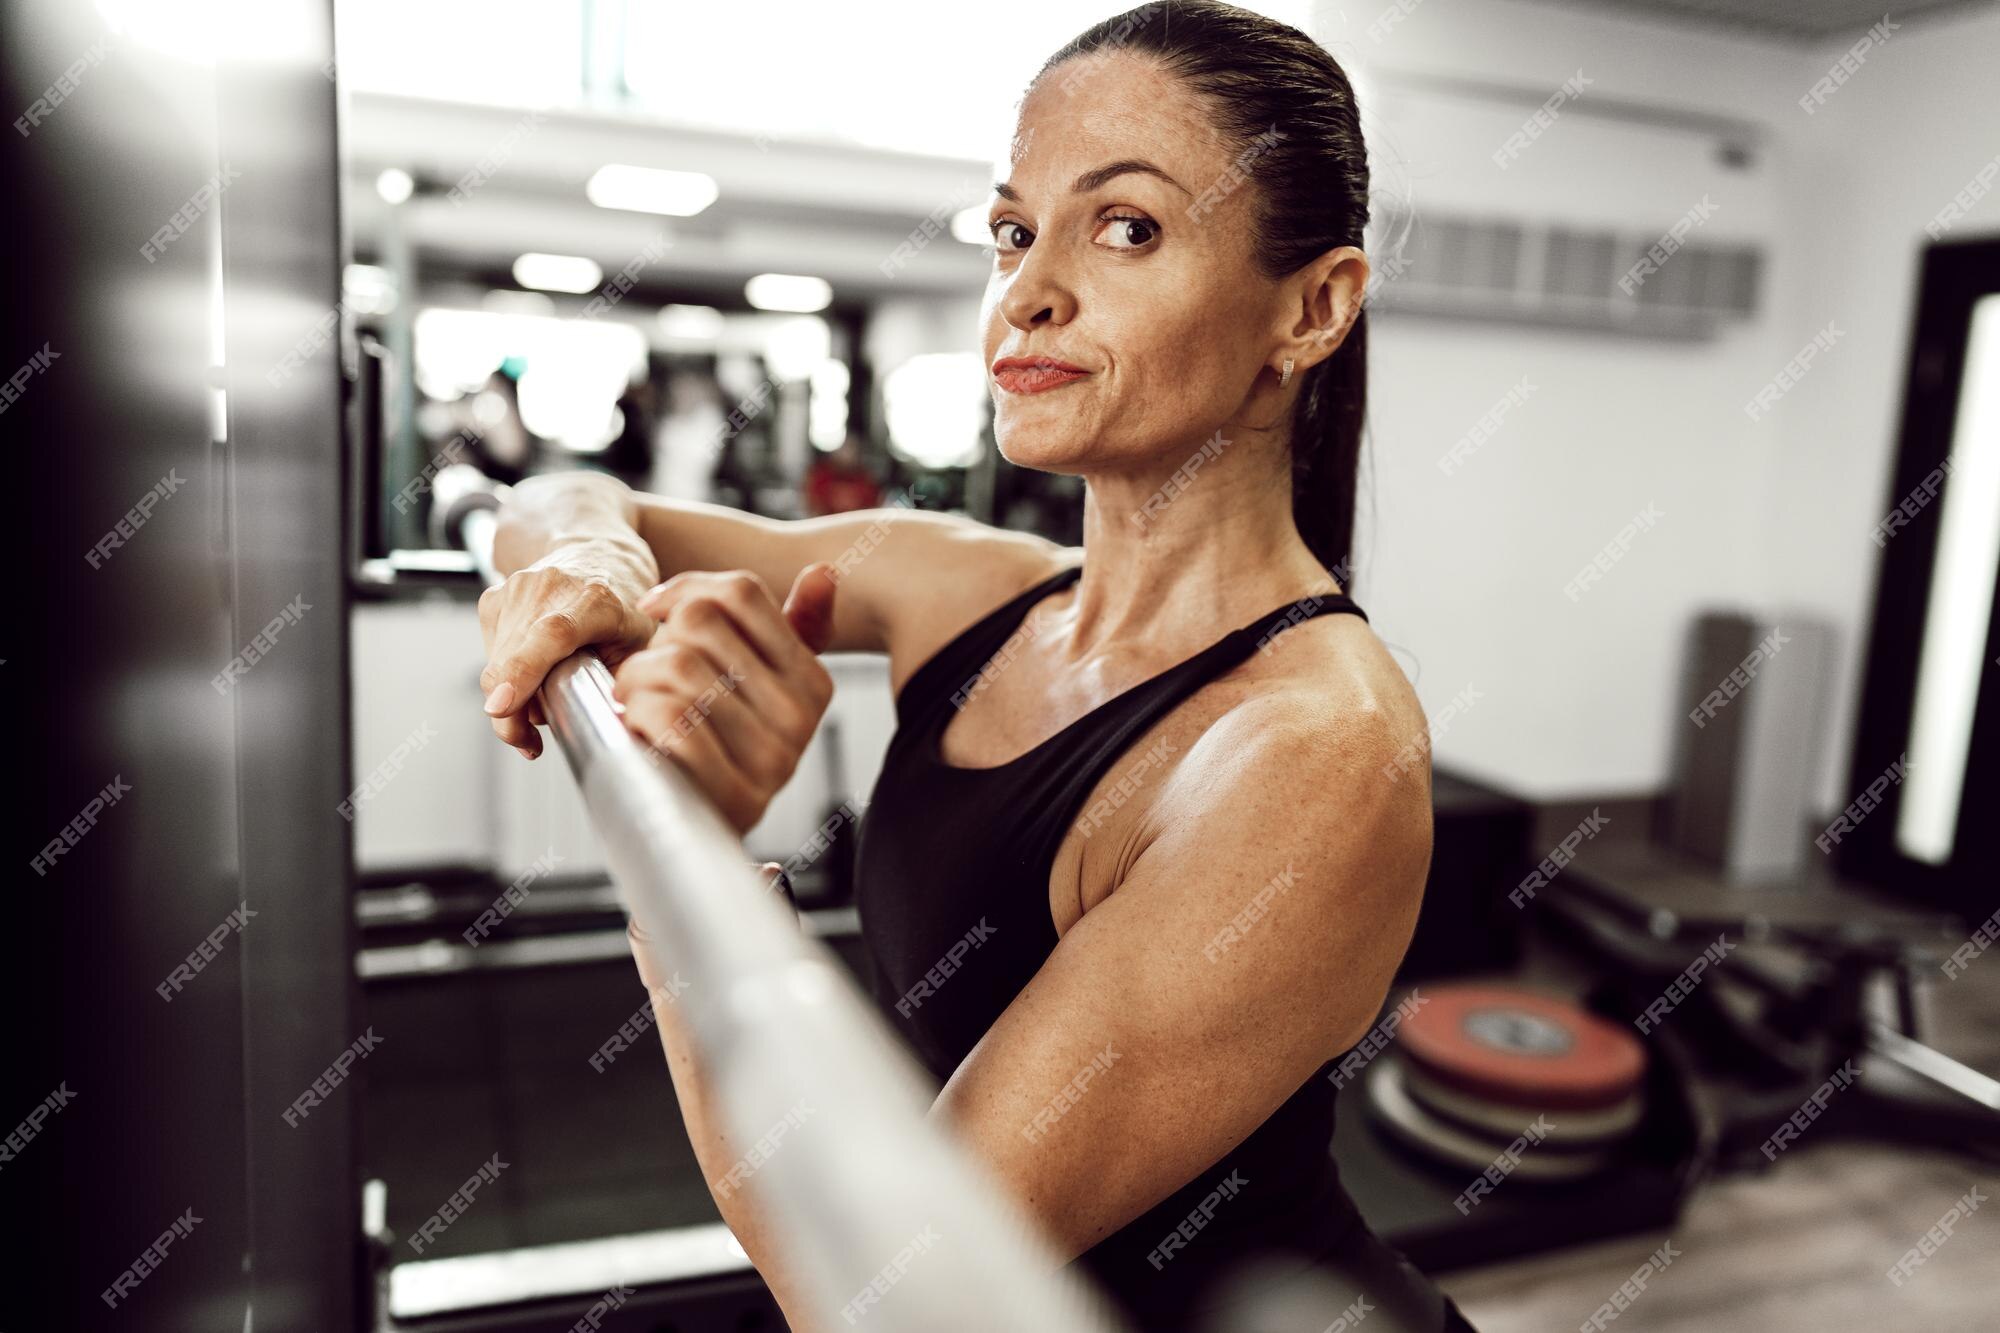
395 185
557 273
680 194
793 292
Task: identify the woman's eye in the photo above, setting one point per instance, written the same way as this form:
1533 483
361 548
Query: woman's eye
1002 231
1135 230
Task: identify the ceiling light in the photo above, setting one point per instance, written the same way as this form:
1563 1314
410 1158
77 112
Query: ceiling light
680 194
557 273
788 291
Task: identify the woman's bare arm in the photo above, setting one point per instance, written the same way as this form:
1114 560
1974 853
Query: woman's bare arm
582 550
893 564
1195 1027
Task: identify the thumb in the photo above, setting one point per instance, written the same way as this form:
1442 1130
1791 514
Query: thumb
809 605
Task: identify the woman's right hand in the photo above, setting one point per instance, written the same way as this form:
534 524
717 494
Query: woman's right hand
536 618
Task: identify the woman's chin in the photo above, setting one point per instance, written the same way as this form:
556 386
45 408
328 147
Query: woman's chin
1040 449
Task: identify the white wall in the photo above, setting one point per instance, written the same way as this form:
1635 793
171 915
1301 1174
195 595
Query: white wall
1465 573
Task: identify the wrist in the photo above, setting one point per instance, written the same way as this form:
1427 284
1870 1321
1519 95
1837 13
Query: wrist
627 568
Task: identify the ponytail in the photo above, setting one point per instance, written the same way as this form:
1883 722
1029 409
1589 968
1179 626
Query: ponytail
1326 451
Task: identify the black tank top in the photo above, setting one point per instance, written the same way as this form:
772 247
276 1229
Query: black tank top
952 870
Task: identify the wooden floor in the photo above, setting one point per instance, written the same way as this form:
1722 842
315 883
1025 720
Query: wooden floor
1807 1244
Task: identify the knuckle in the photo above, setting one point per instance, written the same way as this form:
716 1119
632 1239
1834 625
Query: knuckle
741 586
770 763
561 625
793 721
653 725
677 660
703 610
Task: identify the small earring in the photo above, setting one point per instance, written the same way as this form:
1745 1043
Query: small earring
1286 378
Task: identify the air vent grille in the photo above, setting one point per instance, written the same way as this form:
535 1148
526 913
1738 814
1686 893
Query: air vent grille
1564 276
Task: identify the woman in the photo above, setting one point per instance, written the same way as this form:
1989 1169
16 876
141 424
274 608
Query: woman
1170 783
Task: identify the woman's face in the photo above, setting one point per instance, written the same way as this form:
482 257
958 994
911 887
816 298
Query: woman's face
1137 279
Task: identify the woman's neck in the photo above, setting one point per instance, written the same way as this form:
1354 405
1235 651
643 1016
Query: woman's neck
1181 558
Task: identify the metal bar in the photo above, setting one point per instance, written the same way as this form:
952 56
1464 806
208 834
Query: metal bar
876 1210
1935 1067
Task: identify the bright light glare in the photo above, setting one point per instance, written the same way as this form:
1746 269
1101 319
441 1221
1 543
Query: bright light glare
205 32
821 84
934 406
696 323
793 347
507 302
969 225
1958 616
573 369
788 291
557 273
680 194
522 53
826 420
395 185
368 290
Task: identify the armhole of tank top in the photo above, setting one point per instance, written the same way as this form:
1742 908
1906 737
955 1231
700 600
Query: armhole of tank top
918 695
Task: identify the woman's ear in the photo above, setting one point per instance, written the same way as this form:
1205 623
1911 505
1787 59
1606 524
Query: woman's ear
1332 291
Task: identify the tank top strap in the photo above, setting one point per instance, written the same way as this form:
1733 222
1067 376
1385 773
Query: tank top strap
1069 773
954 666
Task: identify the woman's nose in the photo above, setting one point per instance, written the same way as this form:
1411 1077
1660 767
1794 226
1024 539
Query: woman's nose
1039 292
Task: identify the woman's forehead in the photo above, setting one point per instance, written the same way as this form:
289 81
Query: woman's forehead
1060 134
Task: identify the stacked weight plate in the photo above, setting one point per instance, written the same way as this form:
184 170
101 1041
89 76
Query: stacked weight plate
1477 1069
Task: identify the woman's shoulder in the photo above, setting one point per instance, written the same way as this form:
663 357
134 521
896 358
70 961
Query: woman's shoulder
1328 692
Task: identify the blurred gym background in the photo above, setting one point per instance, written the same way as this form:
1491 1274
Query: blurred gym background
1654 513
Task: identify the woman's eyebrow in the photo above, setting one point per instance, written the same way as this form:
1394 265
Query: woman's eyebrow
1099 176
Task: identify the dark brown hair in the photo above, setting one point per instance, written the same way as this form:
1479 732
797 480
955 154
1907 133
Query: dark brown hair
1312 196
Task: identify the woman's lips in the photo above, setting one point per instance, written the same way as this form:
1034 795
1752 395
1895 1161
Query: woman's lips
1035 379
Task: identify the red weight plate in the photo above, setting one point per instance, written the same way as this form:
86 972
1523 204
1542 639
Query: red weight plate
1520 1048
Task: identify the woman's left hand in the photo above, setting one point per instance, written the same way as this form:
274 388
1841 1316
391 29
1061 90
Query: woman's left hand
731 687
